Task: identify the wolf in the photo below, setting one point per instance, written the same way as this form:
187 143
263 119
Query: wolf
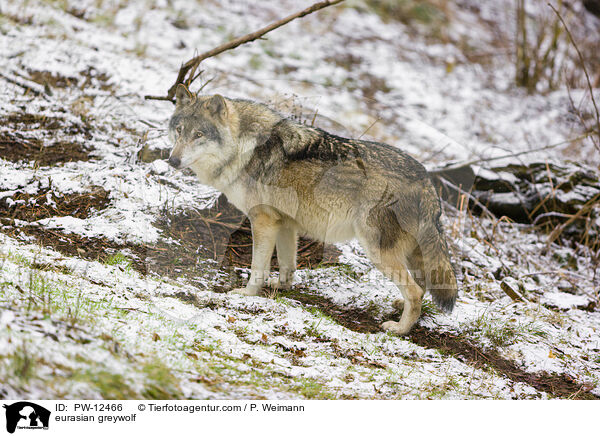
291 179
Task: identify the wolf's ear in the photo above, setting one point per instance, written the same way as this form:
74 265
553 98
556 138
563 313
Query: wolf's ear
183 97
216 105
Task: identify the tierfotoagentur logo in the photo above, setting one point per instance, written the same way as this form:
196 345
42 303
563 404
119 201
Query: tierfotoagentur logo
26 415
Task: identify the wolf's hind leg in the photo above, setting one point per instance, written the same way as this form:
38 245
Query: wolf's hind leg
390 261
388 232
417 271
286 243
264 234
398 304
413 296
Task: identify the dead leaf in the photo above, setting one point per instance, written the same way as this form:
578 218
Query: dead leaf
155 337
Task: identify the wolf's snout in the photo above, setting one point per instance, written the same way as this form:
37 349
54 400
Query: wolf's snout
174 161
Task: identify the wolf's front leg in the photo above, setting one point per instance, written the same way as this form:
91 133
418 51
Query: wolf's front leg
286 243
264 233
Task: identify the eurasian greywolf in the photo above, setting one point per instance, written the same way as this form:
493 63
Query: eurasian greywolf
293 179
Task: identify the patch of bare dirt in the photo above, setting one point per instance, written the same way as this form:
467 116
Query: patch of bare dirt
223 233
52 80
557 385
88 78
72 244
47 203
93 78
357 320
162 259
40 146
16 147
26 20
44 125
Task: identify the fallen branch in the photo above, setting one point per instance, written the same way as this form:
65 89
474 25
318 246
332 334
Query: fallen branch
511 291
187 72
559 229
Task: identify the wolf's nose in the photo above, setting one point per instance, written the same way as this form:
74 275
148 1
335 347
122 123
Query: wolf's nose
174 161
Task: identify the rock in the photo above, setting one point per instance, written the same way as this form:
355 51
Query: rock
525 192
150 154
546 195
461 177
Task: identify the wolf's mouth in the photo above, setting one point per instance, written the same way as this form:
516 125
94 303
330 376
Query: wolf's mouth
175 162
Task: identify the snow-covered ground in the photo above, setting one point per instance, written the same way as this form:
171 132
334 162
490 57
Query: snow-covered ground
72 326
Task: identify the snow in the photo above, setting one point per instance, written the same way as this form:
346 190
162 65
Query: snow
396 88
564 301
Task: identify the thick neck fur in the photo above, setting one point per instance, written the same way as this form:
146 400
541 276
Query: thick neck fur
248 124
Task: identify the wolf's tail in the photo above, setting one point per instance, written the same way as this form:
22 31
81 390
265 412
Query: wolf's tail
430 261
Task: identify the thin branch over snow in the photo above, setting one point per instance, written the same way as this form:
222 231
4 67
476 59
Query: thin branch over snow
187 72
459 165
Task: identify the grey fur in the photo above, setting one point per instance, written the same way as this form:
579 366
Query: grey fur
292 179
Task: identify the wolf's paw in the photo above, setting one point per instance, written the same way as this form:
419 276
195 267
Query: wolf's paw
274 283
398 305
395 328
244 291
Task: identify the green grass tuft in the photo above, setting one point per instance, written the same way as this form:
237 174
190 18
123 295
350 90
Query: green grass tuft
119 259
503 333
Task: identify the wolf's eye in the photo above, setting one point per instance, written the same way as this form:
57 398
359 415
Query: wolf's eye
199 134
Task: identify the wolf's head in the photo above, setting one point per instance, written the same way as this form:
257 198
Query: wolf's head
202 131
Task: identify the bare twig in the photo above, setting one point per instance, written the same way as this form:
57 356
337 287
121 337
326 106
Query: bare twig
587 76
468 195
369 128
188 70
489 159
555 215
